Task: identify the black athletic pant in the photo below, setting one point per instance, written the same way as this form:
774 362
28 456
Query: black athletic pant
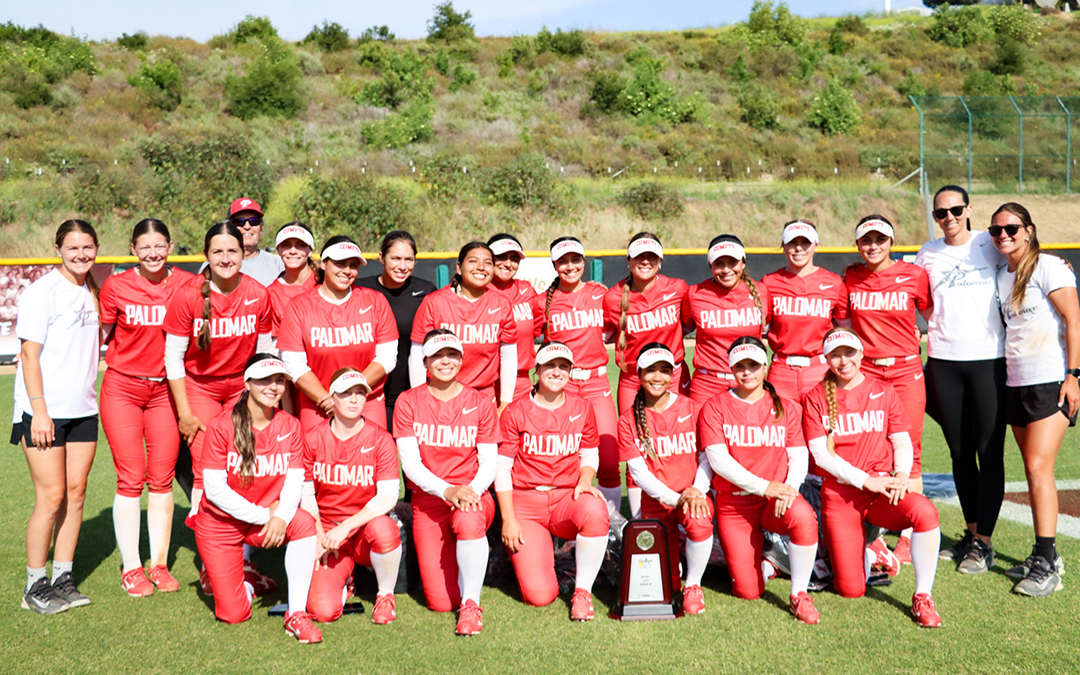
967 399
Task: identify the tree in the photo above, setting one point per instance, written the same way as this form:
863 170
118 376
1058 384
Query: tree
449 25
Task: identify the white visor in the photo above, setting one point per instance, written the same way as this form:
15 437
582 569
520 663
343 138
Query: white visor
555 350
439 342
646 245
564 247
729 249
294 232
796 230
343 250
506 246
264 368
747 351
347 381
655 355
874 226
842 339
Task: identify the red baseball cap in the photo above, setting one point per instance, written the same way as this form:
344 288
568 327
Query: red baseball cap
244 204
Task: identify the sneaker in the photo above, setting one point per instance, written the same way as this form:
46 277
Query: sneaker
1042 579
581 608
65 588
958 550
136 584
43 599
262 584
979 558
693 600
903 550
802 606
385 610
1020 571
884 559
204 581
163 579
922 608
301 626
470 618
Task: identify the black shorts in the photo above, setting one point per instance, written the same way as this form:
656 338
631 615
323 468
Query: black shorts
1024 405
73 430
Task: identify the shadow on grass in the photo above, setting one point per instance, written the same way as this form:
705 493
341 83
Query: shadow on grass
100 541
879 596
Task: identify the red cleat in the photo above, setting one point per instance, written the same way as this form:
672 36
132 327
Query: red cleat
802 606
922 608
262 584
385 610
163 579
903 550
136 584
884 559
470 618
204 581
301 626
693 600
581 608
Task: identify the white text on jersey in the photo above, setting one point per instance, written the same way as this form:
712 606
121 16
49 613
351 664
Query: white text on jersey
729 318
850 424
657 318
144 315
473 334
228 326
445 436
342 336
802 306
589 318
343 474
888 301
742 436
550 446
679 444
276 464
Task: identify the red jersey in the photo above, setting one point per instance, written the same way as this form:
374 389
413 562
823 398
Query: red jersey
280 295
278 448
236 322
653 316
345 472
674 438
577 320
447 431
803 309
481 326
722 316
520 295
136 306
866 416
333 336
882 307
753 436
544 443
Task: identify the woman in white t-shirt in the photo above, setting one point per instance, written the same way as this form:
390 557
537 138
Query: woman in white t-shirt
1038 298
965 371
56 413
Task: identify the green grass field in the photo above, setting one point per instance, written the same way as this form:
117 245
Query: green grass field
987 629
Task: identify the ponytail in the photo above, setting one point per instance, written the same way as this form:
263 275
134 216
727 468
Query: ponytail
641 425
244 439
1029 261
547 307
777 404
202 342
620 339
752 287
829 384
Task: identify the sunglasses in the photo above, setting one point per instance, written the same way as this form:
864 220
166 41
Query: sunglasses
939 214
244 223
995 230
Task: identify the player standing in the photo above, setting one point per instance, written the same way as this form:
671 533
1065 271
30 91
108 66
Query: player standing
519 293
294 243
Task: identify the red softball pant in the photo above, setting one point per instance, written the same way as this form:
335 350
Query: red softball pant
134 409
697 529
221 542
597 391
906 377
325 599
436 529
793 382
311 416
741 521
540 515
706 384
846 510
207 396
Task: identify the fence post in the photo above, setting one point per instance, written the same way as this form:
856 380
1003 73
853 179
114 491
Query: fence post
442 276
922 134
597 271
968 110
1020 162
1068 144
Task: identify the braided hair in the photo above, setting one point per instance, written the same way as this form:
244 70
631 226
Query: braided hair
744 276
552 287
243 434
829 385
641 421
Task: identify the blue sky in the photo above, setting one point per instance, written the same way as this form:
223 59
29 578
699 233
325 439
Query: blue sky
202 19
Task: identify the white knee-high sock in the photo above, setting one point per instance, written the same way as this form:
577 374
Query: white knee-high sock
633 496
589 554
127 520
472 559
247 552
613 496
299 564
868 561
802 566
697 559
386 569
907 532
159 513
924 558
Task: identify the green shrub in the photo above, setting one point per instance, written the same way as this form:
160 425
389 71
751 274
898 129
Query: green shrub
759 108
270 87
441 63
134 42
376 34
160 79
910 86
834 110
739 72
768 26
1010 57
993 118
538 82
606 89
463 77
652 201
524 182
837 45
404 77
849 23
571 43
330 37
97 192
505 61
31 93
1014 22
958 26
449 25
353 204
398 129
253 28
40 52
443 178
522 49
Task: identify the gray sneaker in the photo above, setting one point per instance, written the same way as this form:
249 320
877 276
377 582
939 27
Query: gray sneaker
43 599
1021 571
957 551
1042 579
979 558
65 588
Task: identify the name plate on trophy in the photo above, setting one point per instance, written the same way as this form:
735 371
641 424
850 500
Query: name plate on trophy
645 594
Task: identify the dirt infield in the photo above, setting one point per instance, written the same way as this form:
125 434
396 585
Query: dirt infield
1068 501
1057 217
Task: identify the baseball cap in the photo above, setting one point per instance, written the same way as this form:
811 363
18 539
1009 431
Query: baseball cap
264 368
347 380
343 250
552 351
747 351
874 226
842 338
244 204
436 343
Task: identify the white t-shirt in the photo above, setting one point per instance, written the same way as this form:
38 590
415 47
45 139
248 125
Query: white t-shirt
264 267
1035 336
62 318
965 324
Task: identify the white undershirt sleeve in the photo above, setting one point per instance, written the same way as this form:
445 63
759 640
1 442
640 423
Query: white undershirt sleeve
798 460
175 348
504 474
265 344
590 457
386 355
487 454
728 468
652 486
296 364
386 494
417 372
703 477
835 464
216 489
903 452
508 367
413 466
291 491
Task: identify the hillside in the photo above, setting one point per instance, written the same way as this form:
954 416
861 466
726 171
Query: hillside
735 128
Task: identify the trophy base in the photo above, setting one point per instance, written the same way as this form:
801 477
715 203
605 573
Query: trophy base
651 611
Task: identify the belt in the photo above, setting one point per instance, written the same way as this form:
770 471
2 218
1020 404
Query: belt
545 488
886 362
797 361
721 376
586 373
152 379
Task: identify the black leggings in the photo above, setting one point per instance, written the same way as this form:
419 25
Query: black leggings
967 399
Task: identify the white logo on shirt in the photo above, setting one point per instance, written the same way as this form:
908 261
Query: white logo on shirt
597 297
919 376
364 451
416 293
825 287
877 395
683 419
493 310
901 280
365 310
281 438
607 393
574 417
466 411
668 296
522 291
250 302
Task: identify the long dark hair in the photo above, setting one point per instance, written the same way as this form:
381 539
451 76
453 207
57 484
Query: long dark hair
395 236
455 280
552 287
777 404
83 227
641 421
202 341
745 277
243 434
320 273
624 302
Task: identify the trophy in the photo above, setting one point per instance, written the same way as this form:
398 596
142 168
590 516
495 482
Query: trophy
645 594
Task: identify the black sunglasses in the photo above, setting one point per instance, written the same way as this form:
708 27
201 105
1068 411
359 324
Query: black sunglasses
995 230
253 221
939 214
